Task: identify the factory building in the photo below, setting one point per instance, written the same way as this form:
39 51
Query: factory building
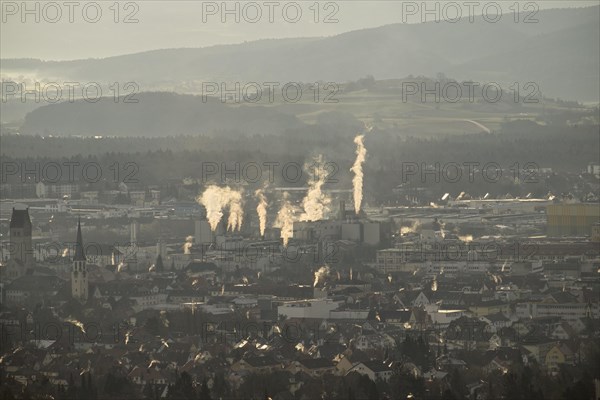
572 219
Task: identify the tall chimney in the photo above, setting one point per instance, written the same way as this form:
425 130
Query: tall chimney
342 211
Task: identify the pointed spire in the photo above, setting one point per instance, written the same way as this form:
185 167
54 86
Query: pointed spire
79 253
159 264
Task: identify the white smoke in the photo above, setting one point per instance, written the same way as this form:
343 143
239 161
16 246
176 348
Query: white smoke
315 203
357 169
121 267
410 229
212 199
215 199
187 246
236 210
261 210
321 274
285 219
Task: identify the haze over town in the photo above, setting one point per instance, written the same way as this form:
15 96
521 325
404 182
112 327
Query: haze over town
300 200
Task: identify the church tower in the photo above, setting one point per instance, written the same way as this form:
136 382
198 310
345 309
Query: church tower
20 246
79 276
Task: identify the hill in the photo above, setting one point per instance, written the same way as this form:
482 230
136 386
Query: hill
156 114
560 53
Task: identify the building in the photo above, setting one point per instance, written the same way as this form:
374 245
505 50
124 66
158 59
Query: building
103 254
486 308
20 246
56 190
79 275
453 268
393 260
259 365
29 290
596 232
316 230
313 366
569 311
572 219
351 231
371 233
558 355
202 232
375 370
320 308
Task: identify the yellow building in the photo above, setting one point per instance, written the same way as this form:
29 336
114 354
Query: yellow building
558 355
572 219
596 232
484 309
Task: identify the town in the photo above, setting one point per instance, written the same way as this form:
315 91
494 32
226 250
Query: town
287 200
443 300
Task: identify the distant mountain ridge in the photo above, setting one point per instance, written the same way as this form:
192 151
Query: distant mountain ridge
560 53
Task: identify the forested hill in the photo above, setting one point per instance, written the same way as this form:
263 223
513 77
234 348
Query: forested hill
518 48
156 114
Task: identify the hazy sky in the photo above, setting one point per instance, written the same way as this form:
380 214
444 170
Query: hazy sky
160 24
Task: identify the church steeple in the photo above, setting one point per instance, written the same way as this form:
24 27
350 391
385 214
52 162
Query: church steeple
79 277
79 249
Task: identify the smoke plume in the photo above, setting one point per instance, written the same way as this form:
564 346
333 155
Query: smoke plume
236 210
321 274
315 203
357 169
285 219
215 199
187 246
261 210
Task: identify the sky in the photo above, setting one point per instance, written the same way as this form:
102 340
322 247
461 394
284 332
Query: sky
56 30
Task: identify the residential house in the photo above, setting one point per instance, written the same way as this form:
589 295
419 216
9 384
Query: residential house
374 369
